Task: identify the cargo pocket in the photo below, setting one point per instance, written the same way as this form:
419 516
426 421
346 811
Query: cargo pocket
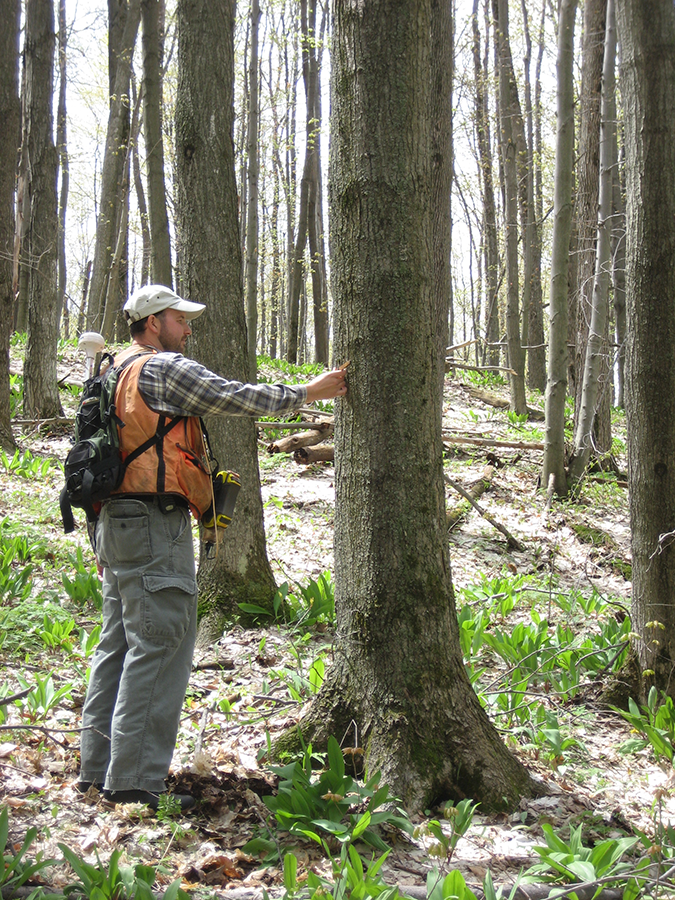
166 607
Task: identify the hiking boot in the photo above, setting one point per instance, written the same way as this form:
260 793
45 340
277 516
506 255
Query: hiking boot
83 786
148 798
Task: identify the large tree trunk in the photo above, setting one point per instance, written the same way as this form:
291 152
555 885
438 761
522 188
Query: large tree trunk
647 39
596 345
41 394
210 253
10 135
152 14
556 388
112 174
398 671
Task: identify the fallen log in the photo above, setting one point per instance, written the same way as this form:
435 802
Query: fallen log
292 426
502 403
456 513
488 442
304 439
319 453
511 541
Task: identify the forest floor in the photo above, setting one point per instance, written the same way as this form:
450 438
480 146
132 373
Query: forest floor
572 574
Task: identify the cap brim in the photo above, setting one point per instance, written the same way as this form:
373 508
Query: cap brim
191 310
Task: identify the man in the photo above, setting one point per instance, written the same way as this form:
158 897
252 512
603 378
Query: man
143 539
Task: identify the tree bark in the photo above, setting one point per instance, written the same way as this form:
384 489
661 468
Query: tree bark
647 39
152 14
10 135
64 167
442 72
510 166
41 395
210 251
596 348
586 220
489 213
398 671
252 226
556 387
114 159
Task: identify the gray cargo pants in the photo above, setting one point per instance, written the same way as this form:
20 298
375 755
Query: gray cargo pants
142 664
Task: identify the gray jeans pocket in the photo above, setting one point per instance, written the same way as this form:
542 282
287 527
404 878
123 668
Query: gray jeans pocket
166 607
123 535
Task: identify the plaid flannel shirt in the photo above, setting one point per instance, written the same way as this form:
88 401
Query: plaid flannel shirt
174 385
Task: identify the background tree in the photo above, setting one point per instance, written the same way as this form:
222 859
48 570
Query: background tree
647 38
397 671
252 172
596 343
10 135
490 246
152 16
64 173
211 273
507 115
556 388
112 175
41 396
586 221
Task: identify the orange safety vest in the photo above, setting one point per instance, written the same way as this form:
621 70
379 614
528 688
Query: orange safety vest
176 463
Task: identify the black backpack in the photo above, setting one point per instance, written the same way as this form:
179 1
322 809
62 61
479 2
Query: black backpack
93 468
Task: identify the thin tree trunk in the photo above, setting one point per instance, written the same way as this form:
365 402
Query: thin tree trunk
509 153
556 388
152 13
596 349
252 226
41 395
586 211
489 214
536 356
10 136
62 149
110 212
146 253
619 281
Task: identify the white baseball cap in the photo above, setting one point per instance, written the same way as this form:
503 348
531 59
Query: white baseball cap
152 299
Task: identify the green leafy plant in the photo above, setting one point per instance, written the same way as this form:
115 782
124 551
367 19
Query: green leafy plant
452 886
43 697
655 722
25 465
305 607
328 803
568 862
15 394
458 820
115 882
16 869
85 585
57 634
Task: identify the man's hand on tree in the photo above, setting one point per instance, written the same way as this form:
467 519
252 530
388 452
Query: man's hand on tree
326 386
